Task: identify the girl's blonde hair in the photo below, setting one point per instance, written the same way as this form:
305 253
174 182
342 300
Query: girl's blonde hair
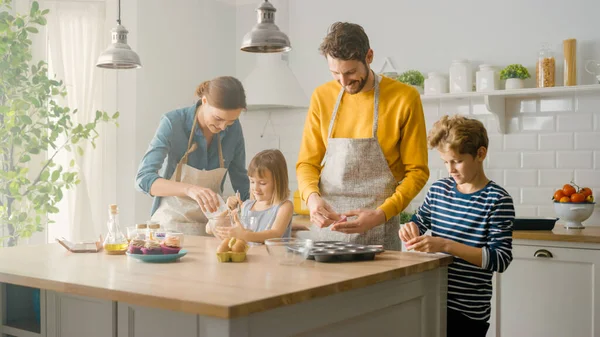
273 161
459 134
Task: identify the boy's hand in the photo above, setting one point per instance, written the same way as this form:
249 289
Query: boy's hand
408 231
428 244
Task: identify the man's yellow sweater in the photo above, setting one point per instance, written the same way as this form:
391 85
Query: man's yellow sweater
401 134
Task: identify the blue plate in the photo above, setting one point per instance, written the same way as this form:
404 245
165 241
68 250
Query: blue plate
158 258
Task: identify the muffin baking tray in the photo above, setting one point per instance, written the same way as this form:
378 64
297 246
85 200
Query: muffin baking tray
338 251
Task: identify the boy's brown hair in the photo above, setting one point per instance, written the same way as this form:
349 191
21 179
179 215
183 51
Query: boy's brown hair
459 134
273 161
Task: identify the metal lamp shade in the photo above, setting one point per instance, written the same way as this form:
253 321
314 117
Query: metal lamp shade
119 55
266 37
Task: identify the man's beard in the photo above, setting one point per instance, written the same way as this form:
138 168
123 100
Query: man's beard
361 84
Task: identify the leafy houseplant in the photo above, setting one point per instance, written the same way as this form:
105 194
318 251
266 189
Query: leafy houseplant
32 125
514 75
414 78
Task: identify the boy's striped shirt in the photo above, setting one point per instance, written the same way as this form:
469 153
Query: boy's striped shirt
483 219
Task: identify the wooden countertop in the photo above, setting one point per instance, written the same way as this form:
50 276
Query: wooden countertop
198 283
590 234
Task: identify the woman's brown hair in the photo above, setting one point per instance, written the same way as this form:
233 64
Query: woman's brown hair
273 161
459 134
225 93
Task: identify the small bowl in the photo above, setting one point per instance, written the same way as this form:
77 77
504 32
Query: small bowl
289 251
574 213
175 234
218 224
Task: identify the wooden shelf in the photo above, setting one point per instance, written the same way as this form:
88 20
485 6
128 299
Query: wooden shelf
495 100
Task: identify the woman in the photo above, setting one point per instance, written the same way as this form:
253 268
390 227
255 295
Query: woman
194 148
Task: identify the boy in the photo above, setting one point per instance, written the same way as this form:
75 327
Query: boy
470 218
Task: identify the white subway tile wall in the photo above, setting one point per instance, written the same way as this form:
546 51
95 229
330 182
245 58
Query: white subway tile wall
548 143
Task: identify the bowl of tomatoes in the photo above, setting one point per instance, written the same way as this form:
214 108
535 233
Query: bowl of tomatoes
573 205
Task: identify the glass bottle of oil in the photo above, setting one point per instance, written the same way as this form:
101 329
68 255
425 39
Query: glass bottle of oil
115 242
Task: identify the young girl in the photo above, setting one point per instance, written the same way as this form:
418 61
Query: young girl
268 203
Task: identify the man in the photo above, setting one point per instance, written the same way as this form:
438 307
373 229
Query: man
363 135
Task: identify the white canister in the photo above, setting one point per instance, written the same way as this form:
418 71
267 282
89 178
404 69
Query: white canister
487 78
436 83
461 76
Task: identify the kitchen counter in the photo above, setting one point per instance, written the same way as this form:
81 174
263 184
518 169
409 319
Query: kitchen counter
198 284
590 234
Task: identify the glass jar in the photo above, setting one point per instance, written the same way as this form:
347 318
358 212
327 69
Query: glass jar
461 76
487 78
153 227
545 68
436 83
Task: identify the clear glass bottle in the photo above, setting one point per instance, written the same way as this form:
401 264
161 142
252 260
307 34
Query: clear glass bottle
115 242
545 68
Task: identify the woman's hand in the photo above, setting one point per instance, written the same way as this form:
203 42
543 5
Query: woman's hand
205 197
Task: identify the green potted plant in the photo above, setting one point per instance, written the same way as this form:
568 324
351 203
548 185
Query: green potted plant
414 78
515 76
33 128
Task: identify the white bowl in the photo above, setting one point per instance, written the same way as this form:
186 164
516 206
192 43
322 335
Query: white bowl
574 213
289 251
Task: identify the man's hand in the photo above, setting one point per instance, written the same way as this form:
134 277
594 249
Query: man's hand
366 219
321 213
428 244
408 231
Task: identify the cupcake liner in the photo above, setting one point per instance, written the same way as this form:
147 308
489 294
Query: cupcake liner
147 251
134 250
169 250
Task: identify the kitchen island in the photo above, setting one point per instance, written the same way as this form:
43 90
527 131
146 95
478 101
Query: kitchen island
102 295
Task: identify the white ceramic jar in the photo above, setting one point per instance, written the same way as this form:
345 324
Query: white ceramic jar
461 76
436 83
487 78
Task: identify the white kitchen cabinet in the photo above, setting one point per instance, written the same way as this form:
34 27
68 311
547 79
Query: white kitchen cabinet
137 321
548 290
76 316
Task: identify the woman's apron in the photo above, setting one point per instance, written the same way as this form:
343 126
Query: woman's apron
183 214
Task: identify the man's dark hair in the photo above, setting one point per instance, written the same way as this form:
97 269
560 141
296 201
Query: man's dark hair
345 41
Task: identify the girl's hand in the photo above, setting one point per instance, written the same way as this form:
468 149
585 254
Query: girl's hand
234 202
238 231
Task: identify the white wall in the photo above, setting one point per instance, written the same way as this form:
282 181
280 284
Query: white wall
184 42
558 136
181 43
